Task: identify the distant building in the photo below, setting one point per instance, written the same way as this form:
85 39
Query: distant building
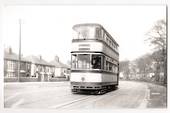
121 76
40 68
61 70
11 61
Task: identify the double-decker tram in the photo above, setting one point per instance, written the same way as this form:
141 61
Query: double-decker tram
94 59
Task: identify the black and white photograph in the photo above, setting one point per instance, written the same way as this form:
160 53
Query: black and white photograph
84 57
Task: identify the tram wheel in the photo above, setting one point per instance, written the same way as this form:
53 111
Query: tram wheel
101 92
74 91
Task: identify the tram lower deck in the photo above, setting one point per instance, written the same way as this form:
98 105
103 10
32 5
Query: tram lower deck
93 81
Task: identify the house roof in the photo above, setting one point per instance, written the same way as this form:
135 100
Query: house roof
36 60
8 54
58 64
13 56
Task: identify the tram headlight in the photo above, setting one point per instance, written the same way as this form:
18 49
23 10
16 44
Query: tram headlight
82 79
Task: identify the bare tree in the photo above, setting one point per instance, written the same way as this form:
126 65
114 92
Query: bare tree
144 66
157 38
124 67
157 35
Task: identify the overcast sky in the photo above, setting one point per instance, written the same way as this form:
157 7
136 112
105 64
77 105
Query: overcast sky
47 30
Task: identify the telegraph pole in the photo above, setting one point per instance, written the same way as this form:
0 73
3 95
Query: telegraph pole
19 56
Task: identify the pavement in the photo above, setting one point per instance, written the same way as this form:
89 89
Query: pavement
57 95
157 96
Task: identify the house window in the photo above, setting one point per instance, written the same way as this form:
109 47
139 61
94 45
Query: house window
11 65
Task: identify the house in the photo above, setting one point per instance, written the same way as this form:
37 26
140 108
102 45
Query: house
61 70
33 68
11 61
40 68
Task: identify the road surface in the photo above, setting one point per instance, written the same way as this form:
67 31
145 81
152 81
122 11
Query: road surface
57 95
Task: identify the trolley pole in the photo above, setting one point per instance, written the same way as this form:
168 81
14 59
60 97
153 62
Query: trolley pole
19 56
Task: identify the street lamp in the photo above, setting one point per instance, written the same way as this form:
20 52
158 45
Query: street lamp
19 56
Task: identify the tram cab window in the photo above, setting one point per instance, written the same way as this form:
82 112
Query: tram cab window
96 62
83 61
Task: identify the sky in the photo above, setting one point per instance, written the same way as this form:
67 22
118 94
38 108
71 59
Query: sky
47 30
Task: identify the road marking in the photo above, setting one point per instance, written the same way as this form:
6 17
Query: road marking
155 93
67 103
15 105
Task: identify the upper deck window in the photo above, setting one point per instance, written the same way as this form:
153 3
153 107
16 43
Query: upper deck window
98 33
110 42
84 33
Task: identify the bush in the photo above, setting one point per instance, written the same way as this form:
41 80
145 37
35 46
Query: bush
28 79
10 79
22 79
58 79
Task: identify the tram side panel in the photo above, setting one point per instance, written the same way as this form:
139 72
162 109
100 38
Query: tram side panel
81 80
111 79
93 77
85 77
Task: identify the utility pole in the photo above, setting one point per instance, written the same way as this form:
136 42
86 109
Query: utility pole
19 56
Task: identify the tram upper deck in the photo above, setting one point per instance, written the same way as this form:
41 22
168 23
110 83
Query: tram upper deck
93 37
91 32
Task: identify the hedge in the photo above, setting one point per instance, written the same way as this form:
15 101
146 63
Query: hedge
21 79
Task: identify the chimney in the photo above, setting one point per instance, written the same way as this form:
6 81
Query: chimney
56 58
9 50
40 57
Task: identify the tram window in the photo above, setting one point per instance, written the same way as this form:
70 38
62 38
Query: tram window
110 42
107 66
113 68
96 62
85 33
110 67
105 38
74 61
102 34
116 70
98 33
75 34
83 61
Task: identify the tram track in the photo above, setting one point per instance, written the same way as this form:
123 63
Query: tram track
69 103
